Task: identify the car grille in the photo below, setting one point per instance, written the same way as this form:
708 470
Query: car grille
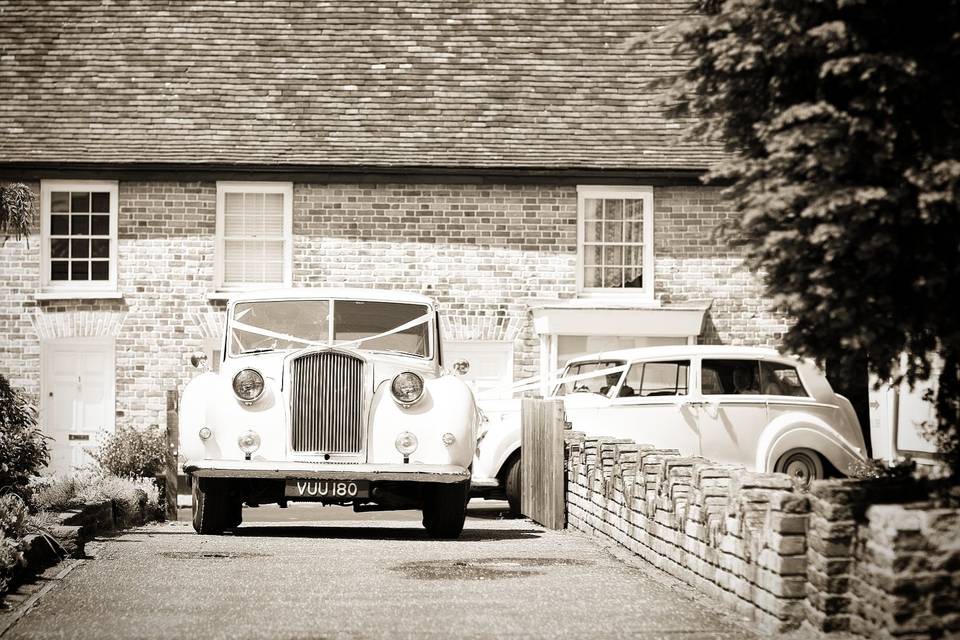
327 403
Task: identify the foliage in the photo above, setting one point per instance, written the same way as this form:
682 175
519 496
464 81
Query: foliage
842 119
23 448
876 469
131 452
18 206
59 493
14 520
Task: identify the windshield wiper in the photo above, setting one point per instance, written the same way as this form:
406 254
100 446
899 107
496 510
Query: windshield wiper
257 350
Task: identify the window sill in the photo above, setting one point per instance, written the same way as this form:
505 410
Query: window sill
106 294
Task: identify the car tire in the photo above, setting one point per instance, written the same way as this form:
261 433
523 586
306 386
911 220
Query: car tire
445 509
802 465
212 510
512 484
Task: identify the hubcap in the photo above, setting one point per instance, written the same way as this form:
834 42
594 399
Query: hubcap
800 470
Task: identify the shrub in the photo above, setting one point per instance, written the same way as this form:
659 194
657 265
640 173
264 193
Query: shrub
133 453
14 525
23 448
93 485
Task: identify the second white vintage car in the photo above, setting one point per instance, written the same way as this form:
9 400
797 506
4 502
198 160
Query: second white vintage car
329 395
741 405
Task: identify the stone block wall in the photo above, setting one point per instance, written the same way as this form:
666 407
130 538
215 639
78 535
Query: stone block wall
831 558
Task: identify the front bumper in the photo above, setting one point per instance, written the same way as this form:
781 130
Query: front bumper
268 470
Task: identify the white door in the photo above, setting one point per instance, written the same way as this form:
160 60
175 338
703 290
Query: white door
77 389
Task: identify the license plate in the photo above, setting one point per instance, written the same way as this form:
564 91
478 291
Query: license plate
336 489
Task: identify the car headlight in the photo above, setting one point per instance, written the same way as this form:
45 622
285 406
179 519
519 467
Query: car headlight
248 385
249 442
406 443
407 388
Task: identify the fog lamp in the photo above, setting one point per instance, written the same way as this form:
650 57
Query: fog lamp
249 442
205 433
407 388
248 385
449 439
406 443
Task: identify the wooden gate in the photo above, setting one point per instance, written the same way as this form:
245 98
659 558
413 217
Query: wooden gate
542 474
173 444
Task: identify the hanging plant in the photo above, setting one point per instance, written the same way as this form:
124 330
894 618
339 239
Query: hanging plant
18 206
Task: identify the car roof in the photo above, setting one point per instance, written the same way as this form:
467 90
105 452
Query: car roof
343 293
683 351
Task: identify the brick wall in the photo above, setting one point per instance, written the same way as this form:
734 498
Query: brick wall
485 252
830 559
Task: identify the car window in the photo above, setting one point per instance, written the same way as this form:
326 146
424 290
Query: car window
601 383
781 380
648 379
730 377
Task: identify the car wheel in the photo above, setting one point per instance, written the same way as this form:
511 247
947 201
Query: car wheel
211 508
445 509
511 485
803 465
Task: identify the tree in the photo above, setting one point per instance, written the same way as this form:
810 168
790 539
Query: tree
842 123
18 204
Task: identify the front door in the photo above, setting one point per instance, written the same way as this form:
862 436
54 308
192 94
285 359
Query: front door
77 392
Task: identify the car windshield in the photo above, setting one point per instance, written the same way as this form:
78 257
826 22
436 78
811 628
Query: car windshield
598 376
278 325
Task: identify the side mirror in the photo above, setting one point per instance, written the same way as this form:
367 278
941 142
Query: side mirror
461 367
198 359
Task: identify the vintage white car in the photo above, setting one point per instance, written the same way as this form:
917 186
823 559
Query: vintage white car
329 395
740 405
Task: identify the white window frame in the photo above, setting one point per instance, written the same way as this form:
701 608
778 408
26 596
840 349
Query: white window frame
77 288
643 193
283 188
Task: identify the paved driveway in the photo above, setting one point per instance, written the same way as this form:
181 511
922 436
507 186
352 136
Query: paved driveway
375 578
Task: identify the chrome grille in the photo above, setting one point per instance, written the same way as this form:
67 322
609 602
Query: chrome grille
327 403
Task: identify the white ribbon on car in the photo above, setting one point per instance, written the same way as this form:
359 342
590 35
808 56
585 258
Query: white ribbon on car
403 327
528 384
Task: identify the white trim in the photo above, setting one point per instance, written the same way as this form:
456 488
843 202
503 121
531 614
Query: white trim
283 188
643 193
95 287
79 295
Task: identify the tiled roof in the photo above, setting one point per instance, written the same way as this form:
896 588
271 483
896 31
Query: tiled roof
448 83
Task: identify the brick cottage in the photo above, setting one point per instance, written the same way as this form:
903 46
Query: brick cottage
507 158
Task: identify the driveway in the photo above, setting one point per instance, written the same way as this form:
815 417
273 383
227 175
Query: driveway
379 577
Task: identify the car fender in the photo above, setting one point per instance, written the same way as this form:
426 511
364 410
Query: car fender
447 406
209 401
804 431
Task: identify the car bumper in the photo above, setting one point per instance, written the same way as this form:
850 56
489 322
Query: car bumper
265 470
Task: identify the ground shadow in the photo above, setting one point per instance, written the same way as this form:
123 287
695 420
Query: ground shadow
378 533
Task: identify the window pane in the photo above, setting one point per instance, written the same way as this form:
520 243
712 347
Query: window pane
78 270
613 277
633 232
633 209
598 384
633 256
781 380
593 255
59 202
80 225
80 248
100 225
60 248
633 278
80 202
100 248
730 377
59 225
100 203
613 231
592 209
591 277
613 209
613 256
58 270
593 231
100 270
664 378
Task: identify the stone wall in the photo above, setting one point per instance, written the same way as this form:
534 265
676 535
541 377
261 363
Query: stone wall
831 558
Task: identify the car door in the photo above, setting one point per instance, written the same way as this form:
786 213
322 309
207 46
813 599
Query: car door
731 410
651 406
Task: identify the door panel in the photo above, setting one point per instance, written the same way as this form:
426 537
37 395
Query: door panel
77 398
